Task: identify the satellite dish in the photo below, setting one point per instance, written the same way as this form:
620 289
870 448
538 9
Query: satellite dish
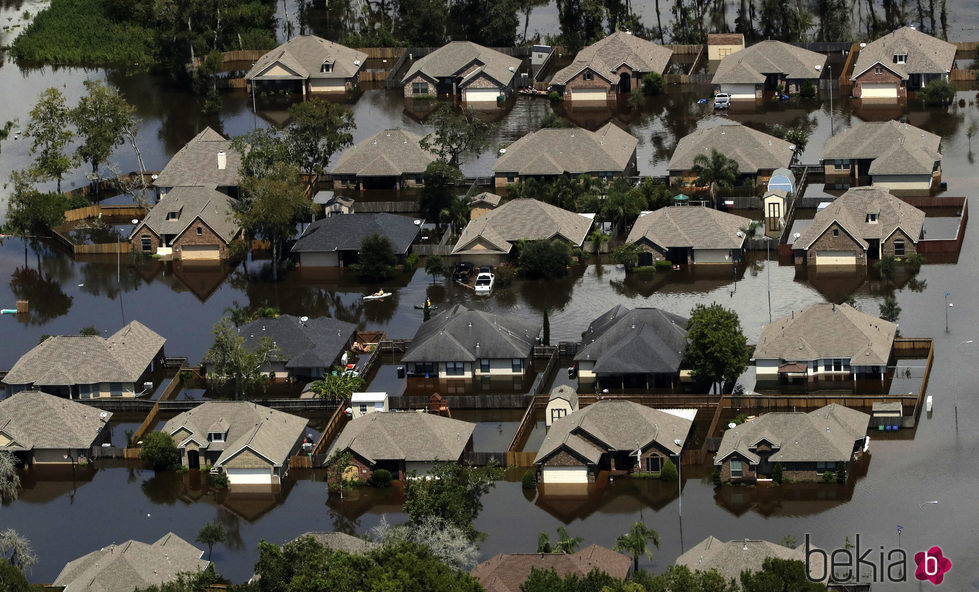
510 68
356 62
418 222
502 150
732 425
740 234
303 319
796 235
103 415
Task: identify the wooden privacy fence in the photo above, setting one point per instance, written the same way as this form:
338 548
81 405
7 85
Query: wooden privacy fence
520 459
408 206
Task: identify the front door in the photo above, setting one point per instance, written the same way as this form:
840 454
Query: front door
193 459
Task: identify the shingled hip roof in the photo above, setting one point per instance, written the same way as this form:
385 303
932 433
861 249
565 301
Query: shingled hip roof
634 341
522 219
405 436
388 153
850 212
198 163
604 57
751 149
751 64
347 232
463 335
507 572
690 227
34 420
305 55
733 557
452 58
311 343
894 148
558 151
925 54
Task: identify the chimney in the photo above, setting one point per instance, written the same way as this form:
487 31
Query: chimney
222 160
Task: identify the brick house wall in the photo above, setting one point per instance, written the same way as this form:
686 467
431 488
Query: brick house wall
418 78
747 471
137 241
887 247
872 77
579 83
207 237
565 459
842 242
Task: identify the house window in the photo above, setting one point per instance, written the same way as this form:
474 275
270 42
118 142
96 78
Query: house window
588 76
173 215
200 231
899 247
84 391
419 88
900 58
654 464
838 365
363 408
517 365
822 467
425 368
326 67
878 70
871 218
510 178
455 368
836 232
215 437
115 389
558 413
737 471
146 243
484 365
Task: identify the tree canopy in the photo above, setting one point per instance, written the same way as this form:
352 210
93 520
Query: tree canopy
101 118
232 364
453 493
9 479
547 259
376 258
715 170
717 349
456 131
159 450
318 129
50 135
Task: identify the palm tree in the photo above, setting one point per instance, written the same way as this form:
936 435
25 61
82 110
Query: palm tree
567 544
634 542
715 170
338 385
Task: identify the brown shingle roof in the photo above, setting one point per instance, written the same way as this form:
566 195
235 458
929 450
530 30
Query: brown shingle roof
305 56
575 151
506 572
691 227
36 420
214 208
604 57
733 557
925 54
751 64
197 163
452 58
895 148
725 39
522 219
407 436
388 153
850 211
751 149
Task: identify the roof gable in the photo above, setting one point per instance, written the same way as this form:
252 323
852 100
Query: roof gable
751 64
604 57
690 226
850 212
524 219
751 149
461 334
558 151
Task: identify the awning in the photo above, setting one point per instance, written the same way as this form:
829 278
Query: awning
793 368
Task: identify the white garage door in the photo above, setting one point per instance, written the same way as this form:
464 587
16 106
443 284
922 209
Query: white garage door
250 476
836 258
739 91
482 95
711 256
589 95
329 85
196 253
878 91
565 475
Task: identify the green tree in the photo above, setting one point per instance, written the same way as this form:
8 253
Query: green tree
338 385
423 23
202 581
553 120
376 258
938 92
159 450
715 170
50 135
9 125
437 193
492 23
635 542
717 349
547 580
17 550
229 362
789 542
889 309
210 534
261 151
597 238
318 129
566 543
434 266
841 472
546 259
622 205
456 132
453 493
12 579
652 83
626 255
9 479
669 472
777 473
31 213
336 470
779 575
270 207
886 265
101 117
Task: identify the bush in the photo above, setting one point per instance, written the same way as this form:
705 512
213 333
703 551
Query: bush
554 96
828 477
938 92
841 472
411 262
716 476
807 90
219 480
529 480
777 475
381 478
668 472
159 450
663 264
545 259
504 276
652 83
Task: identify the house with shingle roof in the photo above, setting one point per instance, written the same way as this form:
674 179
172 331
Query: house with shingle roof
390 159
306 347
863 224
132 565
190 223
757 153
478 73
89 366
768 66
562 401
889 154
483 203
903 60
41 428
335 241
610 435
548 153
465 343
632 348
689 235
615 64
721 45
310 62
507 572
807 445
489 239
403 442
824 340
250 443
731 558
207 160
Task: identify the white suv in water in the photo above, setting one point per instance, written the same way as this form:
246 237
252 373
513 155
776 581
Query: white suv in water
722 101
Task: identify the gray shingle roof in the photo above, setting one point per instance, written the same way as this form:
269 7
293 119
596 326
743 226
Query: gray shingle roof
407 436
315 343
634 341
213 208
452 58
733 557
925 54
485 199
453 336
574 151
824 331
690 227
613 424
751 149
131 565
197 163
895 148
35 420
388 153
269 433
347 232
827 434
604 57
751 64
64 360
850 211
521 219
507 572
304 55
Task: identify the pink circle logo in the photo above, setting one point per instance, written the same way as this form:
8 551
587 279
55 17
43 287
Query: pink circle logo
932 565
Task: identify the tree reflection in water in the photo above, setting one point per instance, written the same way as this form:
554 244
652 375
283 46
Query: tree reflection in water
47 300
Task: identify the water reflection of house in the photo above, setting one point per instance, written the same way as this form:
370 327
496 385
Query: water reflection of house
251 503
207 160
45 483
335 241
894 156
307 347
41 428
390 159
507 572
757 153
611 435
615 64
310 62
201 279
806 445
190 223
89 366
570 502
903 60
689 235
799 499
768 66
477 73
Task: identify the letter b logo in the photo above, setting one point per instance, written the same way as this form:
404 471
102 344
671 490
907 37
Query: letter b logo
932 565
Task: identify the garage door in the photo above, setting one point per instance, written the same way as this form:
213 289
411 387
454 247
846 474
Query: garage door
739 91
331 85
565 475
250 476
476 95
711 256
878 91
836 258
197 253
589 95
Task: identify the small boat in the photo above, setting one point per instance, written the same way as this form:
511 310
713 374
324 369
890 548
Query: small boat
422 307
380 295
533 92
